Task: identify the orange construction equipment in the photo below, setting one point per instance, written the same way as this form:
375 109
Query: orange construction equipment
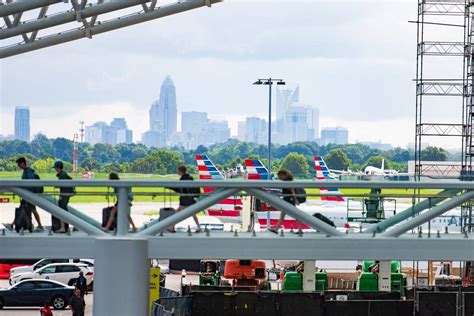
245 272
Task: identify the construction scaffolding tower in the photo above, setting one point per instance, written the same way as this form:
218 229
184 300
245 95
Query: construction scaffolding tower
444 81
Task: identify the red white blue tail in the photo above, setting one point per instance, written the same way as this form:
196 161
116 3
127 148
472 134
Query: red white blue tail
323 174
229 207
266 213
256 170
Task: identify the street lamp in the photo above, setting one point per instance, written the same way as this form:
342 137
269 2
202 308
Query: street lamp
269 82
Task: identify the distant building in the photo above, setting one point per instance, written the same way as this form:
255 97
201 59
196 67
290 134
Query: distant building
154 139
334 135
7 137
214 132
96 133
241 131
183 139
256 130
301 123
116 133
22 123
164 112
285 97
193 122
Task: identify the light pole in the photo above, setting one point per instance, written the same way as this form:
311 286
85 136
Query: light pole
269 82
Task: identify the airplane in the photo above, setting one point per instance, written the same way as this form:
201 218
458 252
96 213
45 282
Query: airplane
334 206
227 209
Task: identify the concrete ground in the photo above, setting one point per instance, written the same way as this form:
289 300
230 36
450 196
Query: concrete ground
173 282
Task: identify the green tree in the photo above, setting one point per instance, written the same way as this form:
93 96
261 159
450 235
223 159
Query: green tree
337 159
63 149
297 164
159 161
432 153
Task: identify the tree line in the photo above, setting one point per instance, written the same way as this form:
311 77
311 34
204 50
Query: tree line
137 158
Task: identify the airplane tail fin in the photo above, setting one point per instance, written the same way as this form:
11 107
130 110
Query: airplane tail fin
256 170
323 174
229 207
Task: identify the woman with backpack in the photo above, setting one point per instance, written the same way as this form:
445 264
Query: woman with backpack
289 195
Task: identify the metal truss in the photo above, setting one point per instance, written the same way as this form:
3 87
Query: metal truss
441 7
441 48
439 129
439 169
248 243
86 13
440 88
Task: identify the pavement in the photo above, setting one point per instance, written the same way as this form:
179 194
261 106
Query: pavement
173 282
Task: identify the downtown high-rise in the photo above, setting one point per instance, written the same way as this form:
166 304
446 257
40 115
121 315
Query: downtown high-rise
164 112
22 123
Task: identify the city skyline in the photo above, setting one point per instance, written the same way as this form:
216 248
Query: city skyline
218 79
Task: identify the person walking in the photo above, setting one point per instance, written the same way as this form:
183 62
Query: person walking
113 211
65 194
77 304
81 284
28 174
187 195
289 195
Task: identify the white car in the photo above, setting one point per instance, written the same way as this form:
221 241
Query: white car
41 263
66 273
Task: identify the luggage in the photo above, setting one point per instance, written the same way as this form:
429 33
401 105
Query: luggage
166 212
105 217
55 223
38 189
300 195
324 219
23 218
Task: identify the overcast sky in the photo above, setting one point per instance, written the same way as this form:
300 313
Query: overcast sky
354 60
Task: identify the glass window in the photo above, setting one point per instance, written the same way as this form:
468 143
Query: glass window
67 269
49 269
26 286
47 285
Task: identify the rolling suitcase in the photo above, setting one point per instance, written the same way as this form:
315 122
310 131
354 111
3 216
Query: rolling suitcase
105 217
166 212
23 218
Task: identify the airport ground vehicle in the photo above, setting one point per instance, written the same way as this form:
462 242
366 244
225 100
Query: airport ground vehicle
210 273
35 293
66 273
246 272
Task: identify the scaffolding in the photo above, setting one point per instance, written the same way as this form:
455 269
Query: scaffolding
444 31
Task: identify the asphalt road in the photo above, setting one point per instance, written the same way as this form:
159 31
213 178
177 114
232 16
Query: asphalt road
34 311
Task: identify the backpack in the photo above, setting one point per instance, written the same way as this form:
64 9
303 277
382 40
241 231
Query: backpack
300 195
37 189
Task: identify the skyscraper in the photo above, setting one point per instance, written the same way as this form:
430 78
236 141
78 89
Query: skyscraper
285 97
163 112
22 123
256 130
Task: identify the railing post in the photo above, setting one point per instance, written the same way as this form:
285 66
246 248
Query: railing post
123 210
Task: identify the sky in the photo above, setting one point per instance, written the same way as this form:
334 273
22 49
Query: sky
354 60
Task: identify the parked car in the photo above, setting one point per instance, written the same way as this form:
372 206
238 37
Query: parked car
41 263
35 293
66 273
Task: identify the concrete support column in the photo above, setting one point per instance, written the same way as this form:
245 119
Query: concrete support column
309 282
123 211
121 277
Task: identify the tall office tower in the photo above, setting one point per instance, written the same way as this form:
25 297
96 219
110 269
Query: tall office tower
215 132
97 133
163 112
334 135
256 130
22 123
193 122
241 131
285 97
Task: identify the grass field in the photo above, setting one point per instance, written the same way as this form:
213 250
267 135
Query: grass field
103 194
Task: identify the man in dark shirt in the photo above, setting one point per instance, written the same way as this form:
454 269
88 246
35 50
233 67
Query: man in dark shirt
187 197
64 196
81 284
28 174
77 304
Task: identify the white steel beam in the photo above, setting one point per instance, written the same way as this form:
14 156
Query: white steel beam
103 27
263 246
20 6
